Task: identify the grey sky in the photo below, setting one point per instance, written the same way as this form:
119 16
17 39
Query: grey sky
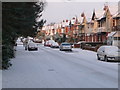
58 11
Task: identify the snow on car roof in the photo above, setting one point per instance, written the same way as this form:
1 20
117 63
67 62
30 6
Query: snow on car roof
108 46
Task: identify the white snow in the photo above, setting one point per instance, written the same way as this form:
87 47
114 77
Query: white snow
111 34
51 68
0 79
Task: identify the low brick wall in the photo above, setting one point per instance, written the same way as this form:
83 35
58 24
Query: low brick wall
90 47
76 45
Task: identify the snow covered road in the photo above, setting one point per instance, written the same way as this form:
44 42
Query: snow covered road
51 68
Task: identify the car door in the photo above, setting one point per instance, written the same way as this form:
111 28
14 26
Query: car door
60 46
101 52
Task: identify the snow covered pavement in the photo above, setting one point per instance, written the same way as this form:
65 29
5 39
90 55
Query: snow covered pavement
51 68
0 79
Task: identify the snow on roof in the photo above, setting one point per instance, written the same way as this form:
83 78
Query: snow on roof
80 19
117 34
88 20
113 10
116 14
99 13
67 23
111 34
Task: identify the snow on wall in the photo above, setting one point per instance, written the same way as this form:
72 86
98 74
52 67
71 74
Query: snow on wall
119 7
0 79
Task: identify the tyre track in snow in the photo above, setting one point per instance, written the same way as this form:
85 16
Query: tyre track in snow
83 59
106 72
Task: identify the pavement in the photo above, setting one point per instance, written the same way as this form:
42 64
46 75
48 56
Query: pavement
51 68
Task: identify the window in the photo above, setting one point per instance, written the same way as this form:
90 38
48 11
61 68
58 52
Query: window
116 38
101 48
98 24
113 22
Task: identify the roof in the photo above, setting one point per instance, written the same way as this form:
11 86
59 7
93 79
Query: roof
101 13
116 15
80 19
117 34
113 9
111 34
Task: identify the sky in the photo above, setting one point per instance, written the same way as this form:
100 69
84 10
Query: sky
59 11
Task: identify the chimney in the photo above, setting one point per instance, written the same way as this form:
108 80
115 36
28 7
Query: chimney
119 7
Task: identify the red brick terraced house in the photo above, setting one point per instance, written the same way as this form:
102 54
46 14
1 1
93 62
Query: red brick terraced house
95 29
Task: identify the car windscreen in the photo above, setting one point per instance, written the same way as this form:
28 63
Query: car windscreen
111 49
66 44
118 50
32 44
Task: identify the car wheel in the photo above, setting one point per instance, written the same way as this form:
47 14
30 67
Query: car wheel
51 46
105 58
98 57
60 49
28 49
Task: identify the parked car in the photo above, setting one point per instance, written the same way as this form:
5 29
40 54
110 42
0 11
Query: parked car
49 43
32 46
19 42
80 42
46 43
54 45
65 46
37 41
108 53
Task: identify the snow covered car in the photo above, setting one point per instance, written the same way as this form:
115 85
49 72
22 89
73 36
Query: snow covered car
65 46
32 46
54 45
46 43
37 41
19 42
108 53
49 43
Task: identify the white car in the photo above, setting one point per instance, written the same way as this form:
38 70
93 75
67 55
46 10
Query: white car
37 40
49 43
54 45
65 46
108 53
19 42
32 46
46 43
80 42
